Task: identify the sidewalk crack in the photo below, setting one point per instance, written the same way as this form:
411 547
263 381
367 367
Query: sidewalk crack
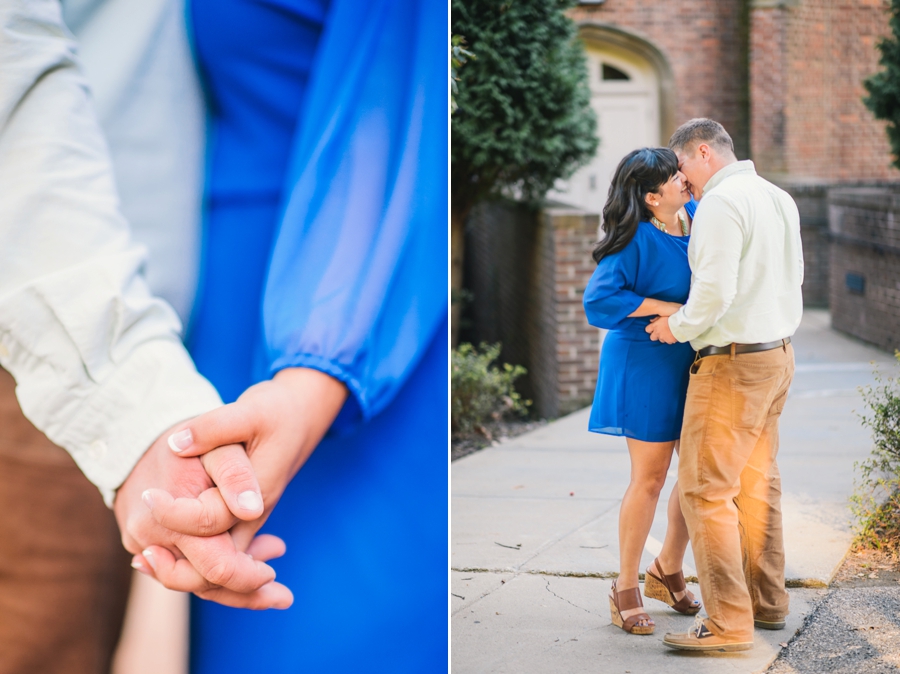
547 587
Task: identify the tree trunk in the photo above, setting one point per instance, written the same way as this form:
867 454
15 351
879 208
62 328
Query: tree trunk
457 251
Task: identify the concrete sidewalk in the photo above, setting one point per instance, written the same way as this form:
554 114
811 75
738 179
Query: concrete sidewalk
534 530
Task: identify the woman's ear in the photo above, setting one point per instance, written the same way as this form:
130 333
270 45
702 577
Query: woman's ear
651 199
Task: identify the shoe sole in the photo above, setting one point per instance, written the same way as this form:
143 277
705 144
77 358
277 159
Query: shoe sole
769 624
724 648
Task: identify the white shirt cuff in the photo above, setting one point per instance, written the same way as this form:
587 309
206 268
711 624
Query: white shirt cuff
107 426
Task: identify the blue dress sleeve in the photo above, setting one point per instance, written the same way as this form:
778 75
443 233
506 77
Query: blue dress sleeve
609 298
691 208
357 283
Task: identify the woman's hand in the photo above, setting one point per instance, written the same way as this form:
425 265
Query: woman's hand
280 422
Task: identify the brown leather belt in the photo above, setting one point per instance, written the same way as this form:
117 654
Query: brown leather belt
743 348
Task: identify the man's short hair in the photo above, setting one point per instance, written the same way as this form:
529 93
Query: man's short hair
701 130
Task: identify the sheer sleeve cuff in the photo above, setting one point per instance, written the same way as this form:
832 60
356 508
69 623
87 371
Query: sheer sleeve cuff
356 409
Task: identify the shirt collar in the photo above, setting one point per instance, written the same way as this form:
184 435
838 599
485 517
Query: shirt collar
745 166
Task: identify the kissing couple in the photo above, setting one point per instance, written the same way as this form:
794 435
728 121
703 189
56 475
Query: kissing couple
698 283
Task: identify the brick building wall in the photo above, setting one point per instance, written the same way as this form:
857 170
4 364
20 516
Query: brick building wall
767 88
808 60
527 273
783 76
705 43
864 224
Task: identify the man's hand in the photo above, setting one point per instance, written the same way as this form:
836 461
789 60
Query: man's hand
211 566
280 422
659 330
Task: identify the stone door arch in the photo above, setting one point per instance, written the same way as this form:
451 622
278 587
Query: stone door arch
630 84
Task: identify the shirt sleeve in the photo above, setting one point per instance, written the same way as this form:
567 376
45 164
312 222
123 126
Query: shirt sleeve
609 298
357 285
714 252
98 363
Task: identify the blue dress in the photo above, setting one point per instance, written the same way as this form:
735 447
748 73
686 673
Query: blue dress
642 385
325 246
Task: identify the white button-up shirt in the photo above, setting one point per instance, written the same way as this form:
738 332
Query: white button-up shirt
98 362
746 263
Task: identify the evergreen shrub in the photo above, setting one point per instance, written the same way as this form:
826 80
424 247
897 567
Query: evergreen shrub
876 500
481 392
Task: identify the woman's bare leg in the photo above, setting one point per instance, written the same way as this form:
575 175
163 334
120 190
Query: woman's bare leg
649 465
671 557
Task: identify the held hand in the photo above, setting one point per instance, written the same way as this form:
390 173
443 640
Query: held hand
280 423
659 330
211 566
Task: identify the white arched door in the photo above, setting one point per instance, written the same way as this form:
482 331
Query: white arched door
625 96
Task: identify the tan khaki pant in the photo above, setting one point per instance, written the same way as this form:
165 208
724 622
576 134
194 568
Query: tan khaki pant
64 575
731 488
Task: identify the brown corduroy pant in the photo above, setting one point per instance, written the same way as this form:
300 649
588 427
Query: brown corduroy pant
731 488
64 575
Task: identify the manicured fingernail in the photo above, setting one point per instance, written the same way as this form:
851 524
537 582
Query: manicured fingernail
148 555
137 565
181 440
147 499
249 500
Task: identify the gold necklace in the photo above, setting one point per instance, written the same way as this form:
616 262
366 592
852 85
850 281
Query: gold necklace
661 226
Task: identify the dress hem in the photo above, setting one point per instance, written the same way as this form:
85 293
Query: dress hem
618 432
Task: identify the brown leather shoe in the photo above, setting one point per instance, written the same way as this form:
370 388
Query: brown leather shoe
702 639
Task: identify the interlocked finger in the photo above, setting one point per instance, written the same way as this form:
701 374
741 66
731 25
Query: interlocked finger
159 563
265 547
230 469
206 515
271 595
212 562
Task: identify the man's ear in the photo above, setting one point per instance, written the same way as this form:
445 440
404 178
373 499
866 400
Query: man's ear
704 151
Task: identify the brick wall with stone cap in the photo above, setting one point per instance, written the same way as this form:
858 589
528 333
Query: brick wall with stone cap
864 230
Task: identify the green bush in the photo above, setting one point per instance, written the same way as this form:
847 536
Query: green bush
876 500
480 392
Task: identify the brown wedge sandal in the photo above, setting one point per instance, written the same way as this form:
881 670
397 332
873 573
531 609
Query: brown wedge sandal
624 601
664 590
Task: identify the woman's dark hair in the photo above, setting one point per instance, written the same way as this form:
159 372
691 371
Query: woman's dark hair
639 173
